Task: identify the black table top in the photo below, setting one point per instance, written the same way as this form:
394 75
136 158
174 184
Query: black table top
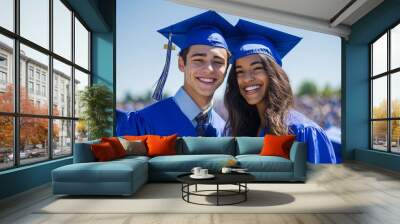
220 178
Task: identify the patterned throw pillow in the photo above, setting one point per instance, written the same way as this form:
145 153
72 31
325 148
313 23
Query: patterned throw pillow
135 147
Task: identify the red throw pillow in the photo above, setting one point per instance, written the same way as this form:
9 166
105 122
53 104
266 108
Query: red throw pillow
103 151
277 145
116 145
161 145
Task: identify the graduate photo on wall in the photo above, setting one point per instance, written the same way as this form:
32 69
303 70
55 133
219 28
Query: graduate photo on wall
205 73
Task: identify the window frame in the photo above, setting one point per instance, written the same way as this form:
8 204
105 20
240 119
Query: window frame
388 74
16 114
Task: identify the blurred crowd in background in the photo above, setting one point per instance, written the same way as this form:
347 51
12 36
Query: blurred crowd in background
322 105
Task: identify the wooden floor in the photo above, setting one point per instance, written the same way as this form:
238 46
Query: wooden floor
377 188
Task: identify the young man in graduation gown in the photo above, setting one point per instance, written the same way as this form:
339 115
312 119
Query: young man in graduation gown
203 59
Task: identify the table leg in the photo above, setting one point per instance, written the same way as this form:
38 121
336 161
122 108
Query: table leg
245 193
217 194
188 189
182 189
196 188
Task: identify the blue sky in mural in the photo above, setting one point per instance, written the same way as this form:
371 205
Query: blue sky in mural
141 57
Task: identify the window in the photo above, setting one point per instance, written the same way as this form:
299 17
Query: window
44 91
81 81
34 21
55 128
38 89
43 77
385 97
81 45
30 87
7 142
62 129
3 61
30 72
33 149
3 78
37 74
40 62
3 72
7 14
55 102
62 29
62 74
6 73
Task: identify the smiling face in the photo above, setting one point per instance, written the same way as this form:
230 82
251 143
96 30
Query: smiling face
252 79
204 71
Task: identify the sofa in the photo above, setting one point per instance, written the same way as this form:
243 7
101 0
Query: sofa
126 175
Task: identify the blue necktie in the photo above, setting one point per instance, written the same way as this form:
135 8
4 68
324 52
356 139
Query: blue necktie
201 127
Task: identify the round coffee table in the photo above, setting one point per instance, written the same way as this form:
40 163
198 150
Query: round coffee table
238 179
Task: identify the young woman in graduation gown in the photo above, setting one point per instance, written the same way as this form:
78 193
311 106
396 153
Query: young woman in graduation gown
258 95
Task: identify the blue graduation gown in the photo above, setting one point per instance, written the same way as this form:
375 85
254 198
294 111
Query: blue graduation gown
164 118
319 146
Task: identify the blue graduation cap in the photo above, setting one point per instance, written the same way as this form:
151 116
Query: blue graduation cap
252 38
208 28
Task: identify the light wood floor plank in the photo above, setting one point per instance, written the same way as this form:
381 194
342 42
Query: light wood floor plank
375 189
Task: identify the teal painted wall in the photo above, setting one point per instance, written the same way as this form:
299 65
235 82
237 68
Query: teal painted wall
357 98
103 52
356 84
102 59
379 159
24 178
91 11
103 62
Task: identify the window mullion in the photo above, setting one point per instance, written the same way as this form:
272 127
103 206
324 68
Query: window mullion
389 106
16 83
50 87
73 82
371 98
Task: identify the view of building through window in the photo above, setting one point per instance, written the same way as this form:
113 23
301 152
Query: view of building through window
31 111
385 79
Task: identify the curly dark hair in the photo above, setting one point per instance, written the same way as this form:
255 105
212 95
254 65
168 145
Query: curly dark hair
244 119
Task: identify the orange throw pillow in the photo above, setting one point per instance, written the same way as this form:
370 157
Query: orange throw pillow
116 145
277 145
161 145
103 151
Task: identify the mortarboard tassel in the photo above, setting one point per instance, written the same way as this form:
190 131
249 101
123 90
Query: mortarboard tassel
157 95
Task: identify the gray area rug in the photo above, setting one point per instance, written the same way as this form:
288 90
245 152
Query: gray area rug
166 198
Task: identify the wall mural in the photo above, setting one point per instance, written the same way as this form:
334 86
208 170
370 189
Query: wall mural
232 81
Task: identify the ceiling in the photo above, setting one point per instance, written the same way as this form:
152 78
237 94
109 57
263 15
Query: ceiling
333 17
